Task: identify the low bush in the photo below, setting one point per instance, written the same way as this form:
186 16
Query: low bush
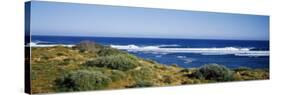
87 46
141 84
119 62
175 65
82 80
117 75
241 69
142 74
168 79
214 72
109 51
150 61
185 70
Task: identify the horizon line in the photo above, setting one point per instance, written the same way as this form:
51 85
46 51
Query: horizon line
151 37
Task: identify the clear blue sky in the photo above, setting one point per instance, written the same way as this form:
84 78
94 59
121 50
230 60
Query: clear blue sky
67 19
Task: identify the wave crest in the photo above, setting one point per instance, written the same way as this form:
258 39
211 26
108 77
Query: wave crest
37 44
204 51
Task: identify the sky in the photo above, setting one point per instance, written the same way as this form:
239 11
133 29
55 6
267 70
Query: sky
69 19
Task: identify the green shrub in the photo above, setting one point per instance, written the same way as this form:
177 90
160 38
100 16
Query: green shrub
33 74
132 57
141 84
168 79
175 65
87 46
119 62
150 61
66 61
117 75
185 70
82 80
142 74
109 51
214 72
242 69
60 54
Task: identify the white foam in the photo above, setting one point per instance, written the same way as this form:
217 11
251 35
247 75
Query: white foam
185 59
203 51
38 41
34 44
158 56
171 45
181 57
188 60
253 54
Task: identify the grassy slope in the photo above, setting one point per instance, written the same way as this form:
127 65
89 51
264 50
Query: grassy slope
49 64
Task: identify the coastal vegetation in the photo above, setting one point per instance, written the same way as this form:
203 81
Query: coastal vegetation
91 66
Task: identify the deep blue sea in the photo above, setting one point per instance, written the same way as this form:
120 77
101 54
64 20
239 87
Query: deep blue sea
183 52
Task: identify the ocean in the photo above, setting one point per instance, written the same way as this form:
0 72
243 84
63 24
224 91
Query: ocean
185 53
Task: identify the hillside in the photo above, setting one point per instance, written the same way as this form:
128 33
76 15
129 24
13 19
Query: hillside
91 66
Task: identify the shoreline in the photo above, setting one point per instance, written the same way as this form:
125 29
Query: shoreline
204 51
153 50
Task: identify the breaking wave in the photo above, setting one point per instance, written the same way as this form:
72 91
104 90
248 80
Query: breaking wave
204 51
46 44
